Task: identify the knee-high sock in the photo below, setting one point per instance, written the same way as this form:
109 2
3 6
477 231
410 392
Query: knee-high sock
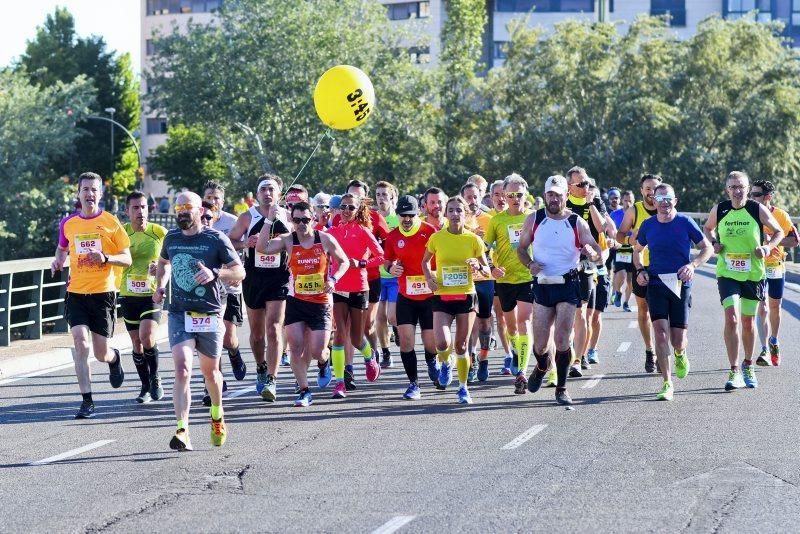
337 357
523 347
512 342
410 364
430 357
366 349
563 359
141 368
444 355
542 361
485 338
462 363
151 356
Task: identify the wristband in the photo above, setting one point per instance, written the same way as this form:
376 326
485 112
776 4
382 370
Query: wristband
333 279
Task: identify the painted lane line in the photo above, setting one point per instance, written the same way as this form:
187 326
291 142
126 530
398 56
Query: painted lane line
593 382
522 438
73 452
240 392
633 324
624 346
37 373
394 524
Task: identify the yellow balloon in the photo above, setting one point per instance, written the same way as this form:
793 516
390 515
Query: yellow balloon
344 97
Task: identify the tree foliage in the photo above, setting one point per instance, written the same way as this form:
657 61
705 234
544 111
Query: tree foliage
190 158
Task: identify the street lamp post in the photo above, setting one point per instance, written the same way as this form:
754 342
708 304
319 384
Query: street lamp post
127 132
111 112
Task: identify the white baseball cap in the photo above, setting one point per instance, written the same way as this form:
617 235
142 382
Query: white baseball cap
556 184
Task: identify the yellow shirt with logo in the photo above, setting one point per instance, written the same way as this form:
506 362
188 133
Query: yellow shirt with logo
453 274
102 233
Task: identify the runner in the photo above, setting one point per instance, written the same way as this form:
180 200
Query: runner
434 200
457 252
350 297
197 260
386 200
735 228
96 242
669 237
499 205
322 211
763 192
603 288
309 304
558 238
512 278
266 285
623 256
141 315
633 219
405 248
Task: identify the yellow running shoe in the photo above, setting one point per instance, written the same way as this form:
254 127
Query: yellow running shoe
218 432
681 365
551 378
666 392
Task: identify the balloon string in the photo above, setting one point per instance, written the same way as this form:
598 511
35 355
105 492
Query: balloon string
326 134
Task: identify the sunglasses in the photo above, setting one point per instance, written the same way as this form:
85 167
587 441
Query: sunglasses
324 206
756 195
664 198
582 184
515 195
207 218
349 207
301 220
407 216
184 207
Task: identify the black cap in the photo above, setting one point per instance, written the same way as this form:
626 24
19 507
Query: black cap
407 205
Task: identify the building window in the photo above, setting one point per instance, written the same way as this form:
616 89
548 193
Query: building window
150 47
545 6
500 49
407 10
676 9
736 9
795 13
166 7
420 54
156 125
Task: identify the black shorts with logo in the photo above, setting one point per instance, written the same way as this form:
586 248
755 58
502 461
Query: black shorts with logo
415 312
509 294
136 309
549 295
357 300
455 307
316 316
97 311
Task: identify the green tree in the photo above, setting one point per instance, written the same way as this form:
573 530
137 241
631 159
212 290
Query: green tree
57 54
189 158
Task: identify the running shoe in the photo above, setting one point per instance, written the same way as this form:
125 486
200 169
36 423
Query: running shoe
749 375
514 363
325 375
116 374
156 391
206 398
666 392
592 356
261 377
86 411
386 360
506 370
649 361
562 397
617 298
463 395
412 392
269 393
180 441
483 370
218 432
552 378
433 371
297 387
471 375
626 307
535 380
735 381
237 365
285 360
520 384
575 371
445 375
775 354
144 395
339 391
585 363
762 358
681 366
304 399
373 369
349 380
224 386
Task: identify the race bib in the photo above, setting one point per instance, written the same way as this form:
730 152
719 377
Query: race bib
514 231
84 243
624 257
200 322
417 285
738 262
268 261
775 271
309 284
455 276
140 283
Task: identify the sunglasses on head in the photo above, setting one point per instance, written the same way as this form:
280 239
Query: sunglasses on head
756 194
349 207
515 195
301 220
663 198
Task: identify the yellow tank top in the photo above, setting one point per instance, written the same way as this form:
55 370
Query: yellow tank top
642 214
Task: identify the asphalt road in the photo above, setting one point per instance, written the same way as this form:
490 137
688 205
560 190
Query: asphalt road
619 462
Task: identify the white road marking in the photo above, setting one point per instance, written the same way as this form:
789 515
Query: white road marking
593 382
37 373
624 346
73 452
394 524
522 438
633 324
240 392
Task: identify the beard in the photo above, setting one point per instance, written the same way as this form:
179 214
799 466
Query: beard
185 223
553 208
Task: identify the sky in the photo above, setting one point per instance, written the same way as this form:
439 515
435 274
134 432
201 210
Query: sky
117 21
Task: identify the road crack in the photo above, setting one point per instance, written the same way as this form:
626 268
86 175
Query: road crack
162 501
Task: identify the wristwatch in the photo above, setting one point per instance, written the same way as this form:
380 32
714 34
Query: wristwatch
216 273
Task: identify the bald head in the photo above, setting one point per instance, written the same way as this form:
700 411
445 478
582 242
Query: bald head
188 209
188 197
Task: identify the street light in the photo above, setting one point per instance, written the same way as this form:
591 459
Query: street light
111 112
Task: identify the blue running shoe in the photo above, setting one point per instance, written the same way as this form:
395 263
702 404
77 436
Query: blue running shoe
483 370
592 357
618 298
471 375
261 378
463 396
412 393
445 374
325 375
304 399
285 360
749 373
514 363
626 307
433 371
506 370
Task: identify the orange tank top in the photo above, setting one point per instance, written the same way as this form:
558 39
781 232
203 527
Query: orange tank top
308 269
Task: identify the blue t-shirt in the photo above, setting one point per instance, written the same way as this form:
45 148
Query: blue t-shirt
670 244
215 250
617 216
